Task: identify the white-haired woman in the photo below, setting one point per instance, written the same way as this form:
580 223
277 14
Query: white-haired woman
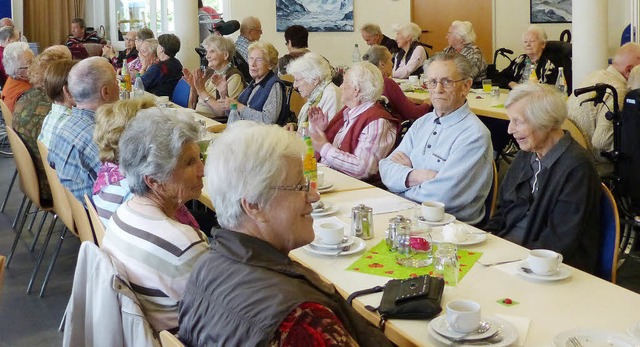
148 54
312 78
16 59
221 79
411 54
264 98
534 40
7 35
550 195
161 160
362 132
461 38
248 276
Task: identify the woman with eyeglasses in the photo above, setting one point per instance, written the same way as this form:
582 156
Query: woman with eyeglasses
461 38
142 35
17 58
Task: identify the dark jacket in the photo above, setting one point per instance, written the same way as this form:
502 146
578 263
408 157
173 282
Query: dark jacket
565 214
161 78
241 291
546 71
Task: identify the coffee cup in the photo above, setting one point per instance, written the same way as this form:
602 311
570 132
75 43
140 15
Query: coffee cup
320 178
330 233
463 316
432 211
413 80
544 262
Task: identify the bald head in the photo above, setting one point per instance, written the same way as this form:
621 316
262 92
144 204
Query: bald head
92 82
626 58
251 28
6 22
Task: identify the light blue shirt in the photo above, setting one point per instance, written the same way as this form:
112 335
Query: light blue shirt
52 121
457 146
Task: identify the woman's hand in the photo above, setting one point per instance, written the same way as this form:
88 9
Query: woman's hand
188 76
108 52
318 119
220 82
318 139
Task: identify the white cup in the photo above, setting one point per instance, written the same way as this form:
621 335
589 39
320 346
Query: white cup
463 316
320 178
432 211
330 233
413 80
544 262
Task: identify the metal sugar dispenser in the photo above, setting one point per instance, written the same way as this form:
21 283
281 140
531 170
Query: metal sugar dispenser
362 222
398 226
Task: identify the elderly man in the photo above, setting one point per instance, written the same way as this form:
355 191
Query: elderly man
591 119
8 22
79 34
7 35
73 153
250 31
446 155
372 34
274 301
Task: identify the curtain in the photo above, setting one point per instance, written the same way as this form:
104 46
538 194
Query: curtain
48 22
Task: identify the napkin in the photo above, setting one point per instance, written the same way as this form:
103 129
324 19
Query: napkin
521 323
387 204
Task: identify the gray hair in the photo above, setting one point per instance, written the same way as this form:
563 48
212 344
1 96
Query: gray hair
151 145
411 30
153 46
376 54
540 33
368 78
220 44
87 78
312 67
463 65
7 33
545 107
14 55
145 34
269 51
239 167
371 29
464 29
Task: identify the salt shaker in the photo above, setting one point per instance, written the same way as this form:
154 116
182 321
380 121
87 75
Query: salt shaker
397 226
362 222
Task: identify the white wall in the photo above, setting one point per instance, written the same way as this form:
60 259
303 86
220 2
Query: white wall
336 47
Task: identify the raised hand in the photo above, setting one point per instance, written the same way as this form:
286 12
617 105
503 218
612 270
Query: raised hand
220 82
318 119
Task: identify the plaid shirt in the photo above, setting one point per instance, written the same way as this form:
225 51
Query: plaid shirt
73 153
242 46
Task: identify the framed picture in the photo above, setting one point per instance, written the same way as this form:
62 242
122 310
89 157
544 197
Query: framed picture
315 15
551 11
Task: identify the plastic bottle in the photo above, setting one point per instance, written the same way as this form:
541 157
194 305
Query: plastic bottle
533 77
527 71
309 163
126 78
355 56
233 112
561 82
138 87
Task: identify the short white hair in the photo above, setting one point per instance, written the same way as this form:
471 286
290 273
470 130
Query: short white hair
411 30
14 55
87 78
545 107
240 167
538 31
368 78
464 29
311 67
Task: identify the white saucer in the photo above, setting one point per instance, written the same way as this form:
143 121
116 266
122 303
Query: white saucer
471 239
358 245
327 210
509 332
634 330
347 242
325 187
589 337
441 326
448 218
563 272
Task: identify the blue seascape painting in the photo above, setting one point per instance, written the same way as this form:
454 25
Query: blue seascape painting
315 15
551 11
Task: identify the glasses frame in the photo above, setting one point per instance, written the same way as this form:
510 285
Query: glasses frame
446 83
296 188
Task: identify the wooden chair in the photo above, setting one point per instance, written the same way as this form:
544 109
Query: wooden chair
296 101
2 261
96 222
8 117
169 340
492 198
576 133
610 227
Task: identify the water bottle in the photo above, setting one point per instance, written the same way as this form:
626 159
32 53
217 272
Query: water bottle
233 112
561 82
527 71
355 56
138 87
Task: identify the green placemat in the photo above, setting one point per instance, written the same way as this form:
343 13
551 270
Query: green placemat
379 261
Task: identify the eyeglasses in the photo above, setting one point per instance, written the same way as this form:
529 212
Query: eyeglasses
446 83
256 60
297 188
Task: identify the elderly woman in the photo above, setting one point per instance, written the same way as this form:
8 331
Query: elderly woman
17 59
7 35
161 78
362 132
55 85
221 79
264 98
148 55
411 55
136 64
401 106
297 39
461 38
312 78
129 54
263 220
161 160
550 195
534 40
33 106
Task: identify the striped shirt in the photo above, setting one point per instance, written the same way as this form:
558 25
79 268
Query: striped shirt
158 255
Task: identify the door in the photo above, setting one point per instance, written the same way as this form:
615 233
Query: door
435 17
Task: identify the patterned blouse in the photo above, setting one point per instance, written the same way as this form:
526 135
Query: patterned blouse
474 54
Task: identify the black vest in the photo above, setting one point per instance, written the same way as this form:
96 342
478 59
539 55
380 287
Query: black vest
406 57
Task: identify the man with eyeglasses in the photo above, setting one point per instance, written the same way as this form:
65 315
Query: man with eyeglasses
250 31
446 154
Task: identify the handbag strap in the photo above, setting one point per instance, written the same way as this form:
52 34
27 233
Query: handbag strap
376 289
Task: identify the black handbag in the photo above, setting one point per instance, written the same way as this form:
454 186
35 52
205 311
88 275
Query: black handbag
413 298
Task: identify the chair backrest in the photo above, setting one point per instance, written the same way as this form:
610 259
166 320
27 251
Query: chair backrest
26 168
492 198
81 219
295 100
96 222
610 228
404 128
93 49
560 53
6 114
60 201
576 133
3 259
169 340
181 93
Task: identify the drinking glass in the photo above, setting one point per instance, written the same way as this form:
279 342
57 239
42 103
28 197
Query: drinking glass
445 263
486 86
413 248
